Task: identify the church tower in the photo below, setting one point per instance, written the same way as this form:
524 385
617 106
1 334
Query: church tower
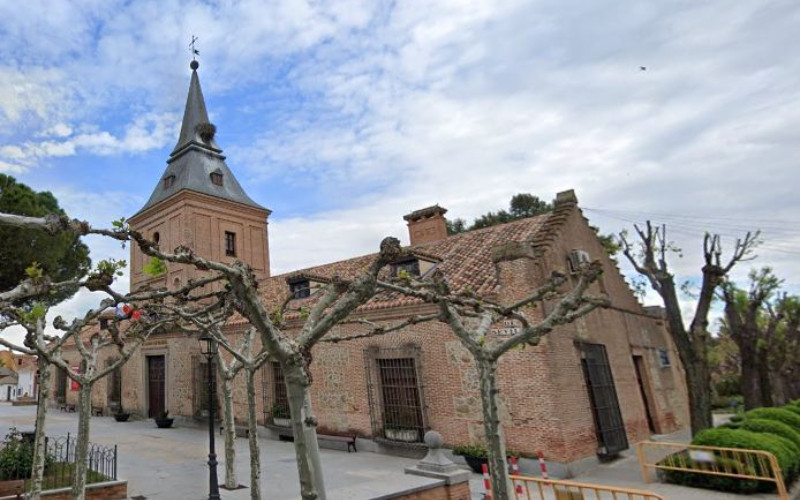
199 203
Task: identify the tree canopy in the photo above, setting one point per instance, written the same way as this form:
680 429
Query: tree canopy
60 256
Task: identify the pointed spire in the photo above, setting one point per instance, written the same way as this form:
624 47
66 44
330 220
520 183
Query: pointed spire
195 118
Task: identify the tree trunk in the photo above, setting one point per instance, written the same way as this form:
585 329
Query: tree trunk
750 383
40 441
764 382
231 481
698 384
495 443
82 442
252 432
304 429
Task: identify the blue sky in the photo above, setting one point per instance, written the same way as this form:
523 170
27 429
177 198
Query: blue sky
342 116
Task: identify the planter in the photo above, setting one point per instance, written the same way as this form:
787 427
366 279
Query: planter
476 463
404 435
122 417
281 422
164 423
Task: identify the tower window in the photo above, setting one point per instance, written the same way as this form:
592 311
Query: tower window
300 289
230 244
169 181
156 237
216 178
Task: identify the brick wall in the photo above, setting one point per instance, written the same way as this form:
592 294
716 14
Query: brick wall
459 491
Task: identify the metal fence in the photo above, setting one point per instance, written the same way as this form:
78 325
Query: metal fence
60 459
536 488
735 463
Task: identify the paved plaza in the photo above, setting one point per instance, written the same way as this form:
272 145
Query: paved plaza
171 463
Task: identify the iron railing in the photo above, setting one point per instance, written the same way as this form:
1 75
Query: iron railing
536 488
59 460
734 463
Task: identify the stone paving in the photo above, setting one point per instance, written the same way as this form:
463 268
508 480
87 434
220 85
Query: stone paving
171 463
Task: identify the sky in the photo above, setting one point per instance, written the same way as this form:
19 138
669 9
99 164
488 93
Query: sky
342 116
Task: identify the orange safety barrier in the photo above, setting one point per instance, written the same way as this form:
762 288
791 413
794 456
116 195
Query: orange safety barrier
755 465
536 488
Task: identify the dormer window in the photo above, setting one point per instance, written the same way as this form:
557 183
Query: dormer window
300 288
216 178
409 266
169 181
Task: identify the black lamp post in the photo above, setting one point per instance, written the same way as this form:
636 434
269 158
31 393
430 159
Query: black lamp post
208 346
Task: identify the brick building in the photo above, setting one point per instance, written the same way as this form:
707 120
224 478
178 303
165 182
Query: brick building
589 389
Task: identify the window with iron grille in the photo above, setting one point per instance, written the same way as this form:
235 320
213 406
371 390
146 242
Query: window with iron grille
200 393
230 244
216 178
280 401
169 181
410 266
395 394
114 386
300 289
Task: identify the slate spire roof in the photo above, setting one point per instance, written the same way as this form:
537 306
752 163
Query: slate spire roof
196 156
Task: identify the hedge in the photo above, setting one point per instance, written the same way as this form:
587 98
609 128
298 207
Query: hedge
782 448
708 481
791 408
781 415
762 425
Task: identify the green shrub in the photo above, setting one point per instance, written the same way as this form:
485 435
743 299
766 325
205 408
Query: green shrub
471 450
791 408
782 448
787 417
736 418
708 481
16 457
762 425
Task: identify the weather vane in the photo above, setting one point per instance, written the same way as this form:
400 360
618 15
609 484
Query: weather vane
195 52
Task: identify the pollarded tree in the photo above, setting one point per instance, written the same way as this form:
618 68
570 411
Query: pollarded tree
749 325
648 256
471 318
243 357
337 300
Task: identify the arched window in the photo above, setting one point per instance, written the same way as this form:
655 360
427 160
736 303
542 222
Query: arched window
156 237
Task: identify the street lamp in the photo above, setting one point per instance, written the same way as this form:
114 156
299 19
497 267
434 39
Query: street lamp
208 346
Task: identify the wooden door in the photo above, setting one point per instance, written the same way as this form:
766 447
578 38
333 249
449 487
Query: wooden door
644 389
156 385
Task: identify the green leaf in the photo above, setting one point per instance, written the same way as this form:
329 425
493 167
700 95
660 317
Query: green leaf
155 267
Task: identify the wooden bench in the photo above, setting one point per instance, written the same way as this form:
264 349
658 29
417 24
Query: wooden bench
350 439
97 411
12 488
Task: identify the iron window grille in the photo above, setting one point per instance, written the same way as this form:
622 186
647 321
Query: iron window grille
300 289
395 394
230 244
663 358
200 384
114 386
216 178
609 426
274 396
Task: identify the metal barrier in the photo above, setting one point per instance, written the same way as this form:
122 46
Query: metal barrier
536 488
754 465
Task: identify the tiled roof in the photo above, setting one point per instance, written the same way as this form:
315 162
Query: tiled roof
465 260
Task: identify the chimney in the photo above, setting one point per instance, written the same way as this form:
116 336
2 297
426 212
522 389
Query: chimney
427 225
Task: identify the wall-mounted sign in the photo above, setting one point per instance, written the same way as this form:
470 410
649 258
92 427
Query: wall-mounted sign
508 328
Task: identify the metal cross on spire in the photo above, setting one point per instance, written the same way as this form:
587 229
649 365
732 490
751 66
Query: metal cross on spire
195 52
